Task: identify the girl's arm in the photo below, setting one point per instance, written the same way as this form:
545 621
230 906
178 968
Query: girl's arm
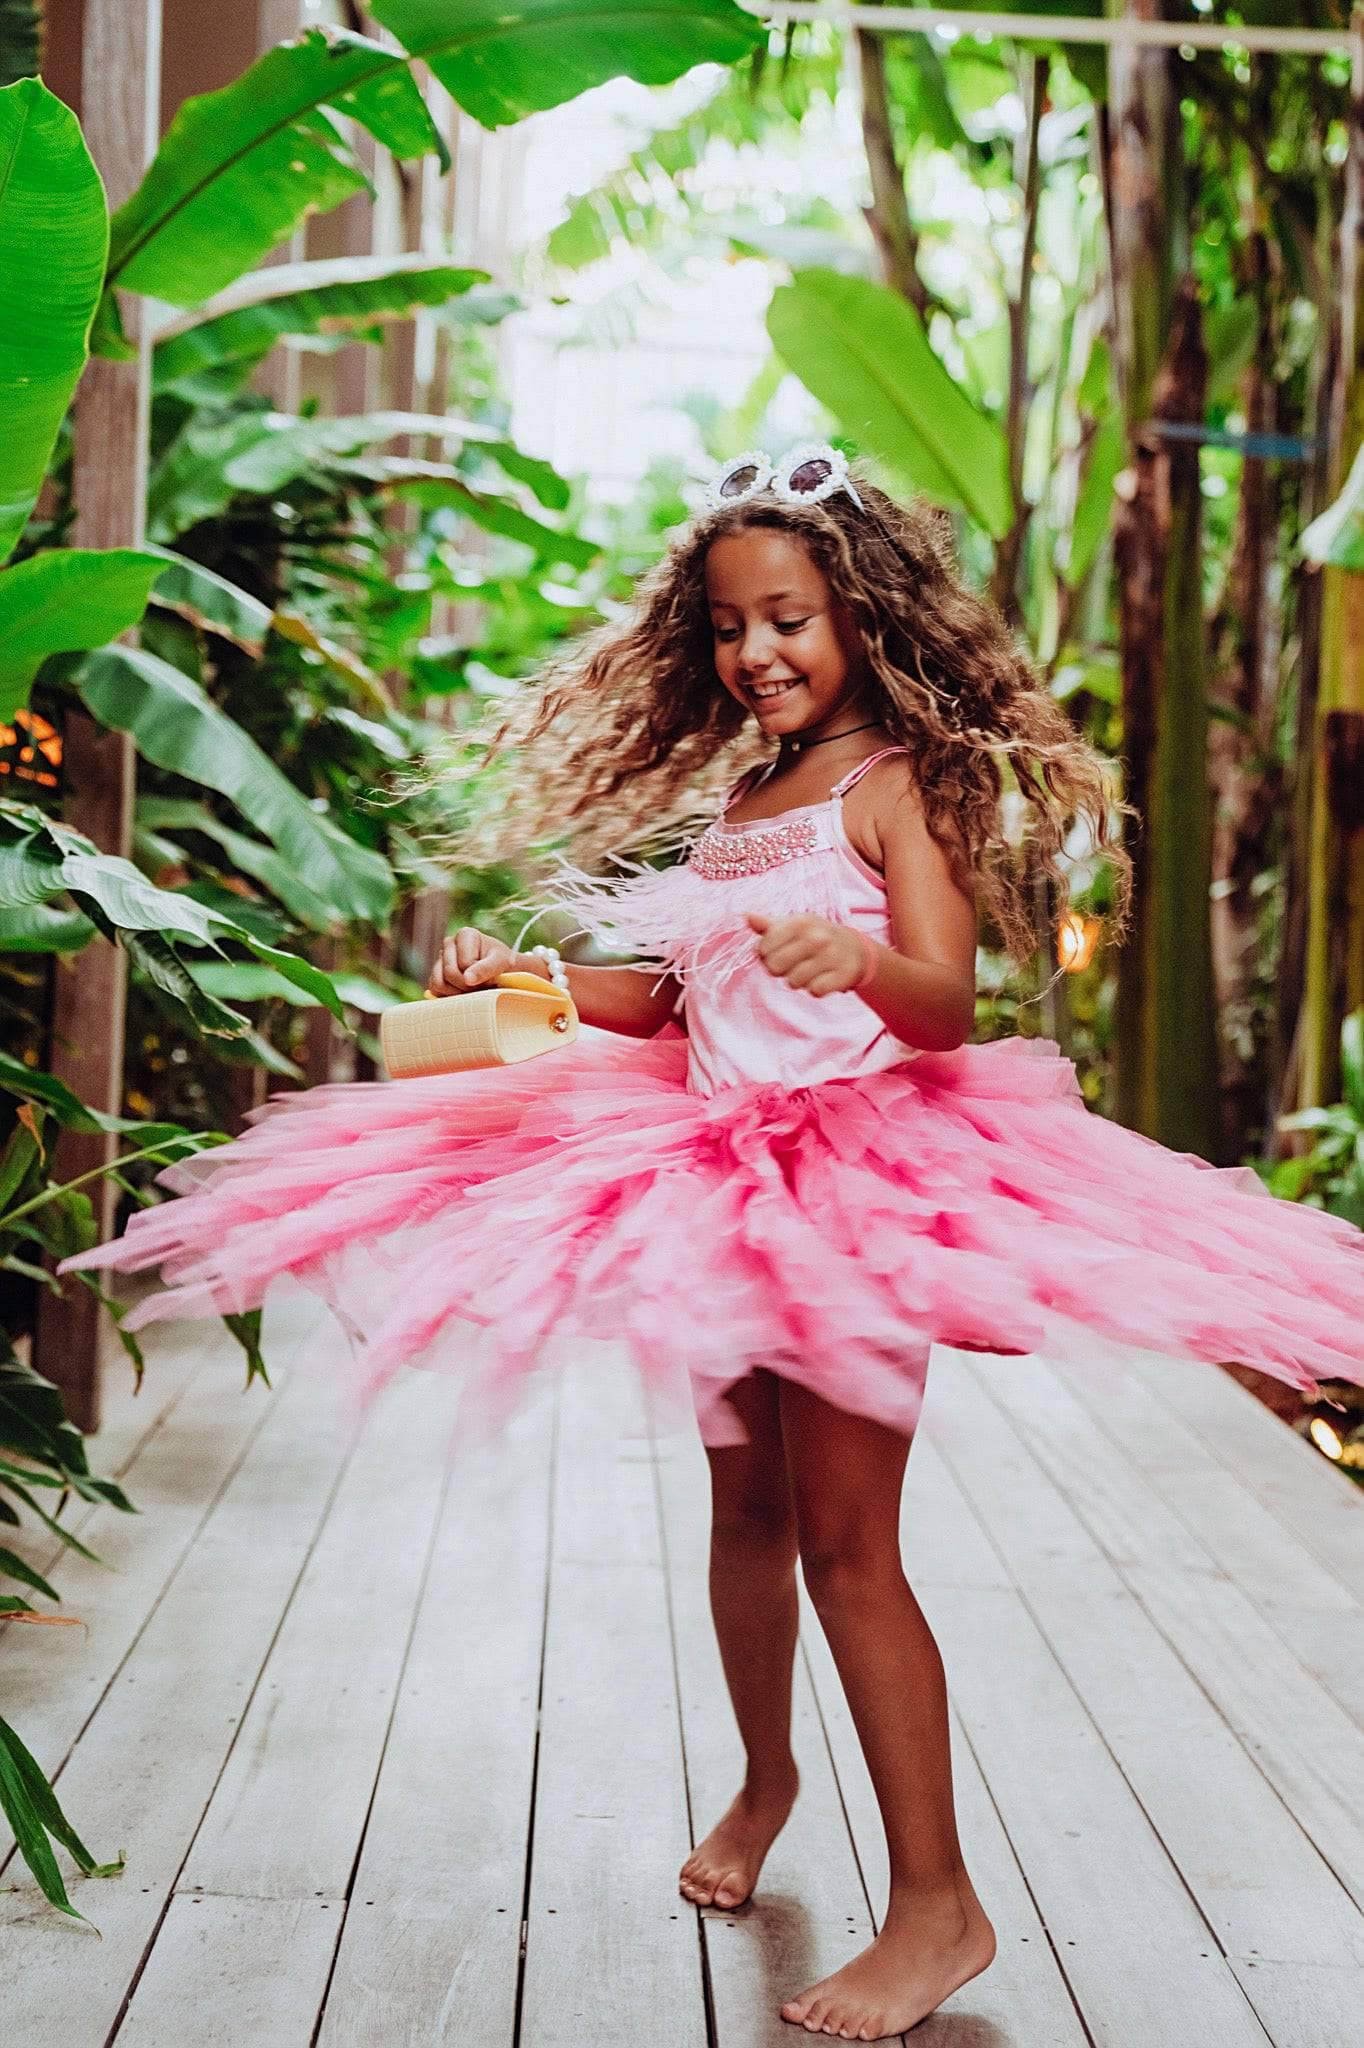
924 985
613 998
618 998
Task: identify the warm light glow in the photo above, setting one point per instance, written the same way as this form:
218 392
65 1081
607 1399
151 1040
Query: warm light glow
19 756
1325 1438
1076 938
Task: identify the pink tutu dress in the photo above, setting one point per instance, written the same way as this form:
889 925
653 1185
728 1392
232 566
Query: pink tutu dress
784 1186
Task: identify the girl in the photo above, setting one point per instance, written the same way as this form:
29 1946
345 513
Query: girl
791 1202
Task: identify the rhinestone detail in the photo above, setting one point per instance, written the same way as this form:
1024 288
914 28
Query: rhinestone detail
722 857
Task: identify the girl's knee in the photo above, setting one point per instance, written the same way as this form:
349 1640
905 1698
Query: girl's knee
846 1574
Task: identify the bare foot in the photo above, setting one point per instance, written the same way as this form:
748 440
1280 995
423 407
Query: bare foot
921 1956
722 1870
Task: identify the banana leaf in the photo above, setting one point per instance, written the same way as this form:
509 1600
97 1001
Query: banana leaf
251 856
180 728
209 601
54 231
502 62
62 601
240 168
329 302
863 351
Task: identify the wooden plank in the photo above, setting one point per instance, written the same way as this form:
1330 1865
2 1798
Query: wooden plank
121 69
287 1815
1321 1506
1137 1953
438 1893
146 1764
1300 2003
811 1912
234 1973
611 1954
1317 1614
55 1679
1300 1738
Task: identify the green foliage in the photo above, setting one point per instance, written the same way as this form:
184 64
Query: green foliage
502 63
178 726
54 234
66 600
36 1819
330 303
42 861
240 167
863 351
1330 1173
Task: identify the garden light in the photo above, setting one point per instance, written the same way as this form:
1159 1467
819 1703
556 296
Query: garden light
1325 1439
1076 938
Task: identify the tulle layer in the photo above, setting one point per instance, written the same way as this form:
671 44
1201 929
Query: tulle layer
834 1230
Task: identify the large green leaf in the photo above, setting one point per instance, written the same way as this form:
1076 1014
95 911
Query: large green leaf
863 352
66 600
503 61
54 233
432 485
240 168
328 301
208 600
176 725
252 856
121 900
1335 539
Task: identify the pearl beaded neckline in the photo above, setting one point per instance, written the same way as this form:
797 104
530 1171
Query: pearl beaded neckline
721 857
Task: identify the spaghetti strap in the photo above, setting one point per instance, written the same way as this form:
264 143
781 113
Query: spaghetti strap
842 788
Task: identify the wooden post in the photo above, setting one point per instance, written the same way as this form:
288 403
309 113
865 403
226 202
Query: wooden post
120 79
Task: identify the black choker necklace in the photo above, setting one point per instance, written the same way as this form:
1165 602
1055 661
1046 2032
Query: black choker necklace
799 746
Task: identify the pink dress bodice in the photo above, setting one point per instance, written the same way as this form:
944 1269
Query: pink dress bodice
744 1023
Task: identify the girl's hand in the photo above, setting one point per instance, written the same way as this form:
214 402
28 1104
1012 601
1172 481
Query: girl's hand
470 959
810 953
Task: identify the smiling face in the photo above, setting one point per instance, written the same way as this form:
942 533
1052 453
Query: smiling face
784 645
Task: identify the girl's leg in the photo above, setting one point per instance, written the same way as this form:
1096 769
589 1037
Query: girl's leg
846 1474
753 1602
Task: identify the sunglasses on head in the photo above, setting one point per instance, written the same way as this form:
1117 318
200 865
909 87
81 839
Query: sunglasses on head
801 477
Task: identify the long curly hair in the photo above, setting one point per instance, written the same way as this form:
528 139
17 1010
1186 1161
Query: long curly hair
632 737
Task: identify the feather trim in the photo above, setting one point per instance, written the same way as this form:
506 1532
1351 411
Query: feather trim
694 921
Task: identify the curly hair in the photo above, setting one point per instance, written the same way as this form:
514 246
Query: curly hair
632 737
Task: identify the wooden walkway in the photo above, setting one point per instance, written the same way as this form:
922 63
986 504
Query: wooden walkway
402 1755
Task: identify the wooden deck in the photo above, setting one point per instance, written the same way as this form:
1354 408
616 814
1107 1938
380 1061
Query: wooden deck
404 1754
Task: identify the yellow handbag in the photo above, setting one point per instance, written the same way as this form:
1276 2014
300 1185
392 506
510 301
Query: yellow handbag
518 1018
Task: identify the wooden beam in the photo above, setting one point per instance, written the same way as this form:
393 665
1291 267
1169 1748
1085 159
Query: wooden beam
1137 31
120 60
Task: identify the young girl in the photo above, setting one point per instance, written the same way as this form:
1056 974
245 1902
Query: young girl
791 1202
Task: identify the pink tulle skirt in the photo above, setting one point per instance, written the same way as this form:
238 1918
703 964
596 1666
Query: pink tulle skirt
830 1232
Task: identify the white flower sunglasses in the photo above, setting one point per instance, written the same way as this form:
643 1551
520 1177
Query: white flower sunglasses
803 476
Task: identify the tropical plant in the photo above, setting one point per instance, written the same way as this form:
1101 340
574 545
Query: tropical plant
237 173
